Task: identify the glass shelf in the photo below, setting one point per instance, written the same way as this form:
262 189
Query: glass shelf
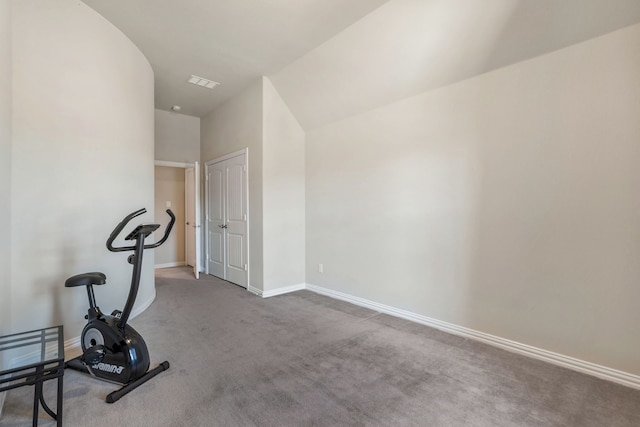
30 358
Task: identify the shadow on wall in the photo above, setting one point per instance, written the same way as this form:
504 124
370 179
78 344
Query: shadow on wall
64 303
520 35
504 203
554 254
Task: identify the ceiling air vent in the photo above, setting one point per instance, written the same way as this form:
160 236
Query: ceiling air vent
199 81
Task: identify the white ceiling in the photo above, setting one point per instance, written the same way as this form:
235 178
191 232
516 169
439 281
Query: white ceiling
407 47
229 41
330 59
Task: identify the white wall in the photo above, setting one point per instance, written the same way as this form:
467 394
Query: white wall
5 165
507 203
259 119
177 137
82 159
283 193
235 125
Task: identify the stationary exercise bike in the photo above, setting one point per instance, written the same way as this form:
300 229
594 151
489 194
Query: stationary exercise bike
111 349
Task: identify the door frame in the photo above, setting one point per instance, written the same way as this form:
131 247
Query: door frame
185 165
207 165
197 232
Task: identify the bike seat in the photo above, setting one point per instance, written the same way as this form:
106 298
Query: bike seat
86 279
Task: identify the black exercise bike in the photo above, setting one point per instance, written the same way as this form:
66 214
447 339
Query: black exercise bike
111 349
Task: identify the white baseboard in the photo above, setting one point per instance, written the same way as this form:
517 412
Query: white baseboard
277 291
283 290
71 344
603 372
142 307
255 291
171 264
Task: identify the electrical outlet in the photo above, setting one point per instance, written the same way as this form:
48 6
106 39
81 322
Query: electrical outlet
320 268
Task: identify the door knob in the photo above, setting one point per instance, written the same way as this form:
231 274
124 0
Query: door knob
223 226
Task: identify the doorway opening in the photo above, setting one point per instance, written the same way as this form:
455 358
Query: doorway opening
177 188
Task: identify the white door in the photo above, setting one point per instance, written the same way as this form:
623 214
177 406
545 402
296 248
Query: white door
227 245
192 214
215 217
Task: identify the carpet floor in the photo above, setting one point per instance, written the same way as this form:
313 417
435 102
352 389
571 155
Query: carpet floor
303 359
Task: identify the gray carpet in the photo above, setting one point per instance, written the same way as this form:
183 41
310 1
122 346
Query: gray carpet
303 359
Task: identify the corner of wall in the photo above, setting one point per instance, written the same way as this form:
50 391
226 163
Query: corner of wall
233 126
283 192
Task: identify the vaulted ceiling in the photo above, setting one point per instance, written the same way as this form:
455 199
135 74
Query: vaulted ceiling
330 59
229 41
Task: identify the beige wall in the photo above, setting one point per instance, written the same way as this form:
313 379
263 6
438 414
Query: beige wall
507 203
235 125
82 158
283 193
5 165
170 187
177 137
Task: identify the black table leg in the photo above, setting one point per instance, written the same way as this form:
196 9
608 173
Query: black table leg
37 395
59 404
58 416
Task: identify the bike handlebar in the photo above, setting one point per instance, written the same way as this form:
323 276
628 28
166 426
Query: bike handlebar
116 231
167 231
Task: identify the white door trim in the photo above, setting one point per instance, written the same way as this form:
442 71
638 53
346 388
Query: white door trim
173 164
230 156
192 224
